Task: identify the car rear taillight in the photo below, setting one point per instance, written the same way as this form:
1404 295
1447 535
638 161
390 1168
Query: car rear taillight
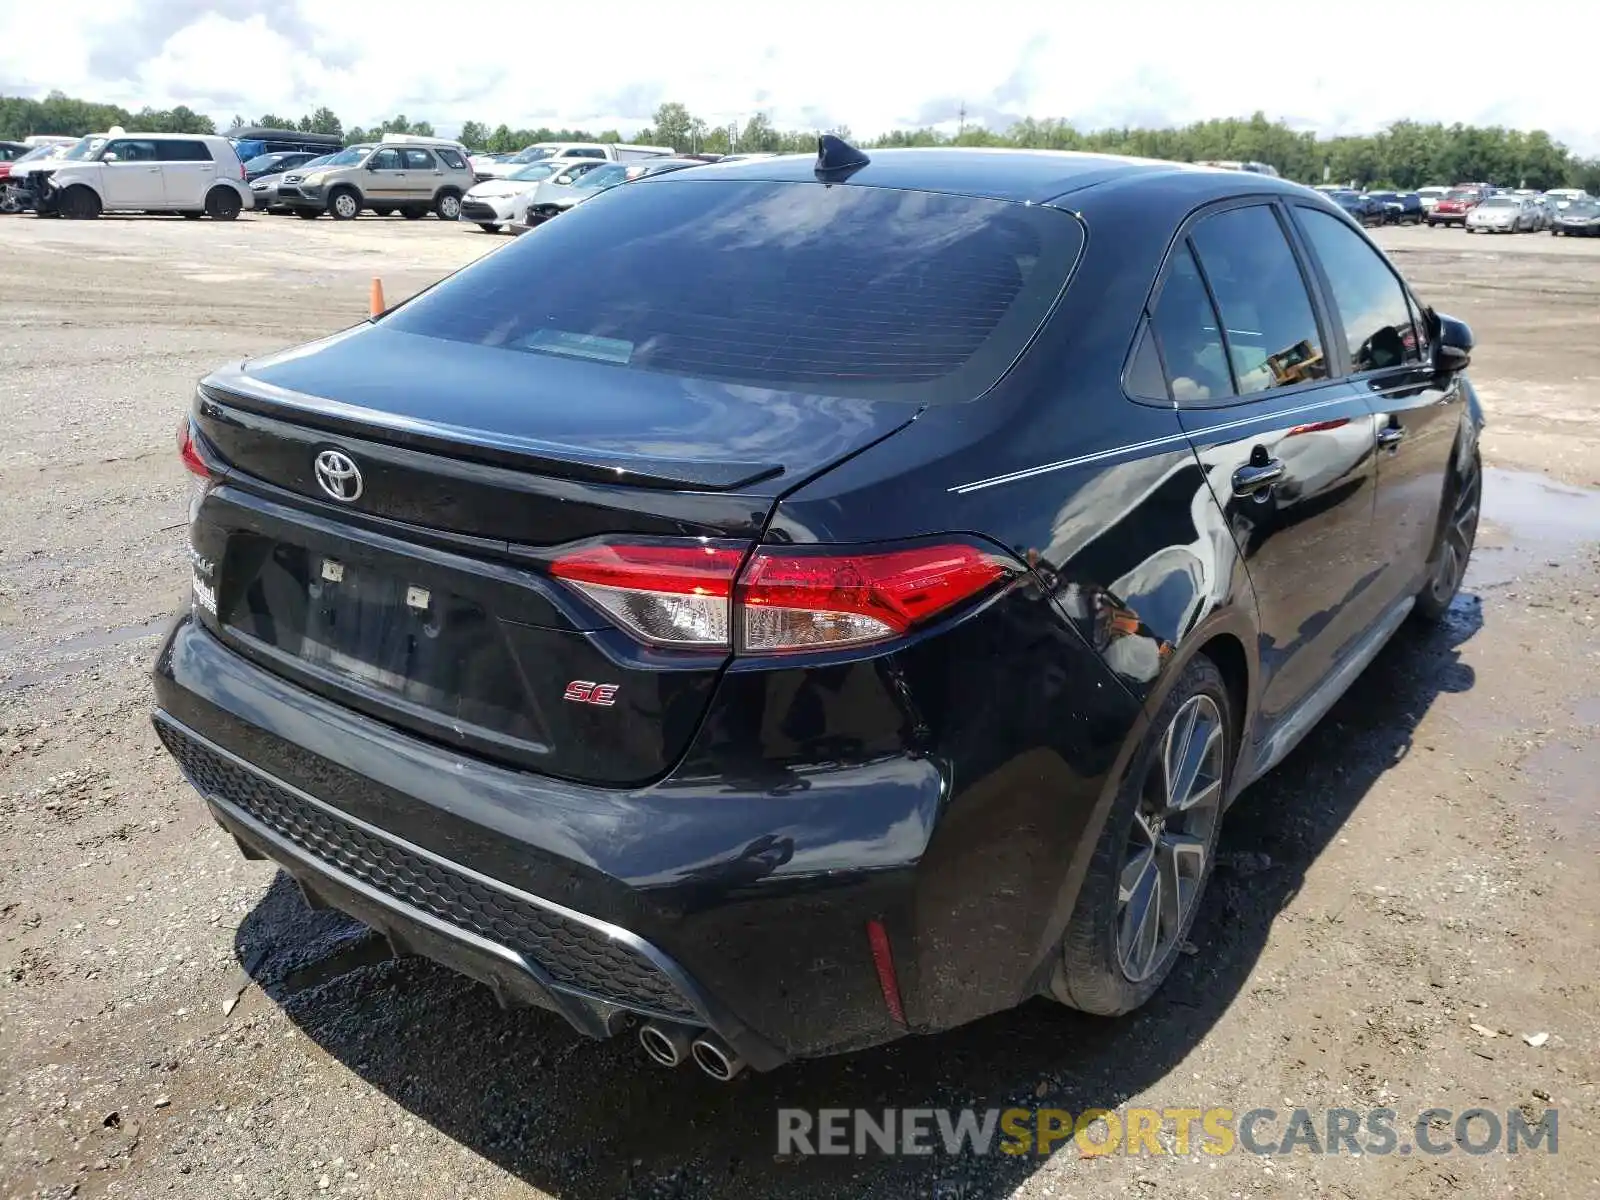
792 600
188 453
784 599
665 595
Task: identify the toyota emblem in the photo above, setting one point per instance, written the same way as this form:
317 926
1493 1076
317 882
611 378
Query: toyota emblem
338 475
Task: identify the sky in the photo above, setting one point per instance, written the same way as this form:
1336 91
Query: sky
874 65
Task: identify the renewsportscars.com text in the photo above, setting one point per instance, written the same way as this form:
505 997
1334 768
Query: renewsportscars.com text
1180 1131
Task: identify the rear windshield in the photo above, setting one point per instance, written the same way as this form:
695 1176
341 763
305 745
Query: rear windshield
844 290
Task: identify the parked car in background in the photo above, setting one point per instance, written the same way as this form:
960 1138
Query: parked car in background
799 607
264 188
1544 212
1502 214
10 152
497 202
191 174
276 163
404 173
1565 196
1454 205
1397 208
1580 218
1430 196
551 199
16 184
1362 208
605 151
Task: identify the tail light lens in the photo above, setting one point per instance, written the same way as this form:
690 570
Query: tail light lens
785 599
665 595
188 453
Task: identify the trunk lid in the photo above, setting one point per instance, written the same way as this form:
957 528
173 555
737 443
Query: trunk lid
422 597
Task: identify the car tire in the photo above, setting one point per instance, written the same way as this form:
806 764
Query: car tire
413 214
1453 544
78 203
447 206
1157 846
383 212
223 204
344 204
488 228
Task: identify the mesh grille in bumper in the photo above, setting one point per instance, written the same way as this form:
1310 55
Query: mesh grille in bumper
573 954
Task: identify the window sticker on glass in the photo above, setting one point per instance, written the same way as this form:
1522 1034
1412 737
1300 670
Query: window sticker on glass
579 345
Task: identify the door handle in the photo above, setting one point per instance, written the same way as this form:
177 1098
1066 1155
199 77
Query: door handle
1258 477
1390 436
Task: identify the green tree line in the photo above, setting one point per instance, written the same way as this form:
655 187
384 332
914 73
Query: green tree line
1406 154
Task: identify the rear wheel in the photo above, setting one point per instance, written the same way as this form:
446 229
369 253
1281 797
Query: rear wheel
413 214
79 204
344 205
383 212
223 204
1143 887
447 207
1452 550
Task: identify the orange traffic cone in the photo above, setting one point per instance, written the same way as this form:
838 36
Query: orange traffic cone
375 302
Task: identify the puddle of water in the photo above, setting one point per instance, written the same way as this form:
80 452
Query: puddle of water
1529 522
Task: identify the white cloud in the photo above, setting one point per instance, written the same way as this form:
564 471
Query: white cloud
874 66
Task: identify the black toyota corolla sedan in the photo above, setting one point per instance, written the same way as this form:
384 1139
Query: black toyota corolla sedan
789 604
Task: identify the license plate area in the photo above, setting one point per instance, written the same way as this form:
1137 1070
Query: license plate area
379 630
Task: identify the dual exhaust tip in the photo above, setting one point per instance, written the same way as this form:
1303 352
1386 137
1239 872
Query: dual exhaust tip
673 1045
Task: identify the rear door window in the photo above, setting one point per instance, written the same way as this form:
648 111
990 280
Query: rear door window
1269 326
790 286
418 160
183 150
1368 296
1189 334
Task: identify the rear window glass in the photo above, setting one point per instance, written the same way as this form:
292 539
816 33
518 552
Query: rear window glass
842 290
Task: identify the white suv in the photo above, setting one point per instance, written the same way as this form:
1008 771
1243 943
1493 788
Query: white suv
193 174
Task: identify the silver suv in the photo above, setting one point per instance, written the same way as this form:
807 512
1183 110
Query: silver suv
404 173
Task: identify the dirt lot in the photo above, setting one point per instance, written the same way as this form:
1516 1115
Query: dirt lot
1424 869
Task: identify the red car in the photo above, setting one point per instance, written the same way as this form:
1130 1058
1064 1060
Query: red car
9 151
1454 206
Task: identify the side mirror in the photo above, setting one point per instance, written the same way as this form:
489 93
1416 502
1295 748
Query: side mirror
1452 342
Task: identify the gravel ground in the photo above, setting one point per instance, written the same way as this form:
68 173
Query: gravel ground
1407 897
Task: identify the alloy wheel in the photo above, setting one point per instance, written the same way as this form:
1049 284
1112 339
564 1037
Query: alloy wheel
345 205
1171 838
1460 532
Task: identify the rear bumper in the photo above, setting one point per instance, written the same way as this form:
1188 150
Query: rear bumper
523 947
672 902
